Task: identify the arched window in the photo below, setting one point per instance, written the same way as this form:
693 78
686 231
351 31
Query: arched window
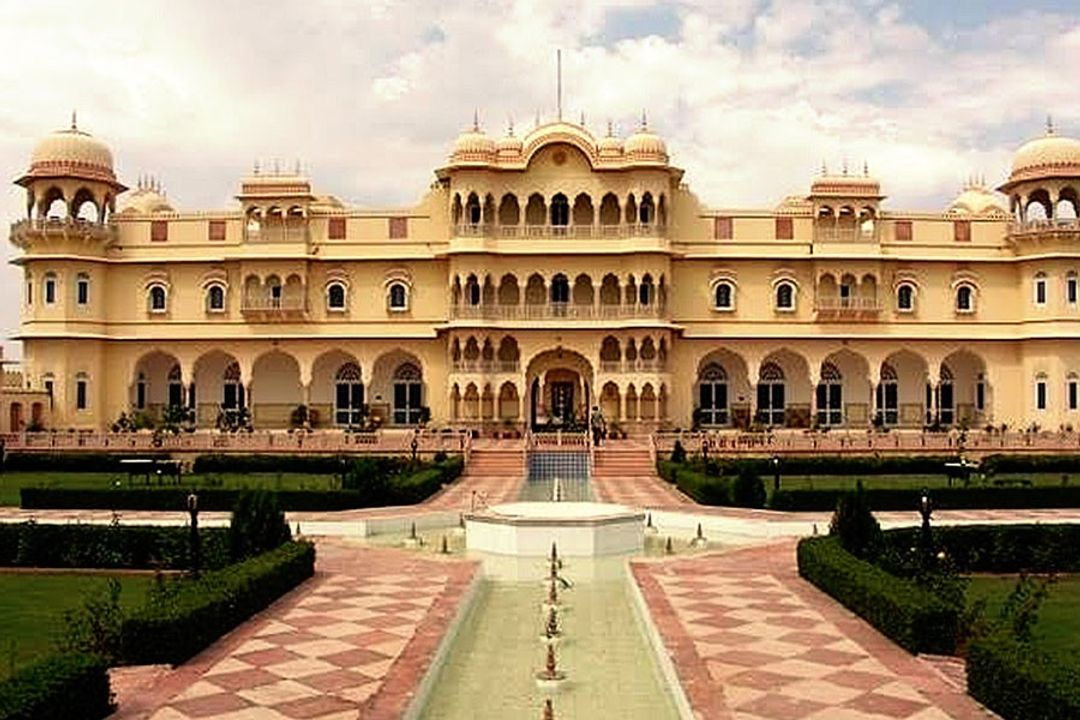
1040 288
713 395
1041 398
348 395
560 289
785 296
647 211
82 382
646 291
408 395
176 387
560 210
157 299
1070 287
965 298
472 290
50 288
724 296
215 298
140 391
29 289
905 297
335 296
770 395
830 396
82 289
398 297
232 389
888 403
946 397
1072 391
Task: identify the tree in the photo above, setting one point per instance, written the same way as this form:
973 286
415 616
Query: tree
854 524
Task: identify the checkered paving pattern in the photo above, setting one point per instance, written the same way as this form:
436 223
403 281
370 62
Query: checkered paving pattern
752 641
642 491
487 489
355 644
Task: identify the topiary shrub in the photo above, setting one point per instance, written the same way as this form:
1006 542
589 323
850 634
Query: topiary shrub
258 524
678 453
58 687
748 490
855 526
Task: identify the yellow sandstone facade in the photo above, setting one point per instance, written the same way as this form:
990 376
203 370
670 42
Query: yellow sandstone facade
542 275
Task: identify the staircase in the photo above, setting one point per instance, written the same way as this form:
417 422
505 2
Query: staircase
496 461
623 461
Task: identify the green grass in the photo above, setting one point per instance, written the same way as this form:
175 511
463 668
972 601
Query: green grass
11 481
914 482
1058 626
32 609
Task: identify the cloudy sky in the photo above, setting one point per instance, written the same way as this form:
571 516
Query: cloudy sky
752 95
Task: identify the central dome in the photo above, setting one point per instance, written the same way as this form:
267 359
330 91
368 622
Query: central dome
74 153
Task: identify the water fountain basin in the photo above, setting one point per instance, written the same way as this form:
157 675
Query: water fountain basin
579 529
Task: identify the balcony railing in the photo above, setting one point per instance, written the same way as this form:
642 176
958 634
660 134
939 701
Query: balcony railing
847 305
825 233
66 226
555 311
272 305
486 367
1035 227
488 230
631 366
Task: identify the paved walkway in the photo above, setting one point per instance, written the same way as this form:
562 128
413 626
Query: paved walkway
752 641
643 491
353 642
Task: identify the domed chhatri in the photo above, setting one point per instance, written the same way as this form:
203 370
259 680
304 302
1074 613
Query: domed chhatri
71 153
645 145
1051 155
977 200
473 146
148 198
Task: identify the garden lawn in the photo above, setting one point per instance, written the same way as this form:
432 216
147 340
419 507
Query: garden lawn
32 609
11 481
1058 627
914 482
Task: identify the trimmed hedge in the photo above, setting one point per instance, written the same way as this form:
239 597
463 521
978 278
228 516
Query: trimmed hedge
1020 682
57 688
955 498
97 462
108 546
1001 548
828 465
914 618
176 626
1031 464
267 463
405 489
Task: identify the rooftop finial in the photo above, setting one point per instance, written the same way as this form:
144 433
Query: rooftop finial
296 168
1049 124
558 83
582 123
610 131
74 124
475 120
255 167
845 165
824 168
510 125
865 168
644 120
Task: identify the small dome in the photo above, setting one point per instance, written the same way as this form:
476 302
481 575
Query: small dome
976 200
473 146
509 146
146 200
1051 155
645 145
73 153
610 146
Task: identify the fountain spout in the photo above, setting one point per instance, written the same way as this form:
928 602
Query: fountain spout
552 628
549 710
556 490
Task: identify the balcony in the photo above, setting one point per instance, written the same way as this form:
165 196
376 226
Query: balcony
617 367
633 230
556 311
487 367
274 308
1031 228
830 234
74 228
846 308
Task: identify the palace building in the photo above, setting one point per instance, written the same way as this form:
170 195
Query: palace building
539 276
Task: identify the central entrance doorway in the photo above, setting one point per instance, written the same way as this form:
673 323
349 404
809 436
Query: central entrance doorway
560 393
562 400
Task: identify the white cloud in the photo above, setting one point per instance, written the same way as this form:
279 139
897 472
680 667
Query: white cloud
751 94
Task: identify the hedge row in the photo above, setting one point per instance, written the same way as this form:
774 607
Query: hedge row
828 465
914 618
405 489
1019 682
98 462
1031 463
705 489
955 498
174 627
266 463
108 546
1002 548
58 687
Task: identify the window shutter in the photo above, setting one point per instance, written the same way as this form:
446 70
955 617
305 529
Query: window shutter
722 229
784 228
159 231
337 228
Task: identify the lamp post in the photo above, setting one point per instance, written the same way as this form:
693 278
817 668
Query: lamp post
193 510
414 446
926 508
705 452
776 472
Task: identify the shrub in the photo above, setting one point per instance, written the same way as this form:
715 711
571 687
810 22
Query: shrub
667 469
855 526
257 525
52 687
914 618
98 462
53 545
678 453
748 490
1002 548
955 498
311 464
1019 682
192 613
703 488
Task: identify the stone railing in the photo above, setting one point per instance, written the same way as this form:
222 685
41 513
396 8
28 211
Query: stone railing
273 305
67 226
630 366
487 367
489 230
556 311
847 305
1033 227
824 233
